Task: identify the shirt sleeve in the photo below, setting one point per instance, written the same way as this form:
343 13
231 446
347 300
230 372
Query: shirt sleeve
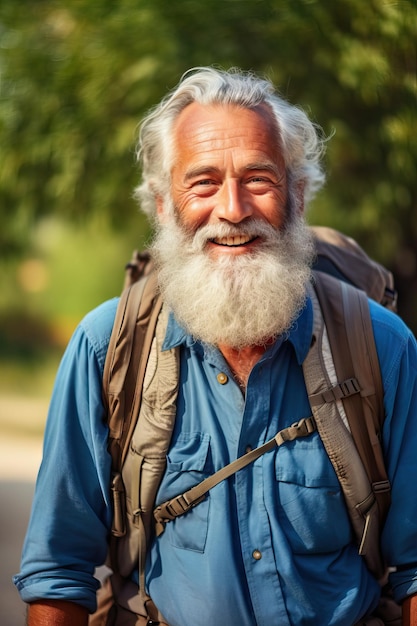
397 352
71 512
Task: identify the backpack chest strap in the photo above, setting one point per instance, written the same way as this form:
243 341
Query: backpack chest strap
181 504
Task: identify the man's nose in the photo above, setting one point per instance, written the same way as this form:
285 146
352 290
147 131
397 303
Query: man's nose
232 203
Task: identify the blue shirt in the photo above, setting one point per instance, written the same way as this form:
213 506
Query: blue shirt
271 545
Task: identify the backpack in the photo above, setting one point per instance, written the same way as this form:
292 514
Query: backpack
347 394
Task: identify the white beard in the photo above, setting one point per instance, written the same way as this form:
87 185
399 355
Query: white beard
236 300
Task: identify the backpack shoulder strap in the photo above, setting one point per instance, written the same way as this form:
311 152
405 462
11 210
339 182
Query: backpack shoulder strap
126 360
345 390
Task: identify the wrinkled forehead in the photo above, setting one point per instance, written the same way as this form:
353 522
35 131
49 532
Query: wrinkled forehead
203 128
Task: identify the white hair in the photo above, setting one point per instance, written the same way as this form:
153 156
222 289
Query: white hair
300 141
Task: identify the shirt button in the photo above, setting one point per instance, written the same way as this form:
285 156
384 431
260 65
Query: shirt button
257 555
222 378
248 449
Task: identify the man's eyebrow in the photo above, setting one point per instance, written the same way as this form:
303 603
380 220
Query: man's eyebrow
201 171
257 166
267 166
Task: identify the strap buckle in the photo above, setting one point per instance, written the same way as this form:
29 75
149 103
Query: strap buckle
302 428
179 505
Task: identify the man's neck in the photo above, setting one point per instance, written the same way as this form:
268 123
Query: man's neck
241 361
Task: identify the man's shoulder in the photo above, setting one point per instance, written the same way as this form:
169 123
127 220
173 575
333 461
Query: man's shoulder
101 317
393 339
385 321
97 325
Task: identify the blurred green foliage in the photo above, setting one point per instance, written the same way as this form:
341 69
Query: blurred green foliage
44 293
77 76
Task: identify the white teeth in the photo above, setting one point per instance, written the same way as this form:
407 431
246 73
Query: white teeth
237 240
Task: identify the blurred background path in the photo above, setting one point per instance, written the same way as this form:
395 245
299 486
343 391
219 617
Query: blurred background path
21 424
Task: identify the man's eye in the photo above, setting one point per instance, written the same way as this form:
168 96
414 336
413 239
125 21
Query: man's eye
259 179
260 182
204 186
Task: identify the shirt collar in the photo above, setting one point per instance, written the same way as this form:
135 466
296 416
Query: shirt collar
301 331
299 334
175 335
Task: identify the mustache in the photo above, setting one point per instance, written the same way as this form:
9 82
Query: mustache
251 228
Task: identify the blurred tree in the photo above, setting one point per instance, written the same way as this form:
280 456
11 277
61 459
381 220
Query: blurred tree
77 76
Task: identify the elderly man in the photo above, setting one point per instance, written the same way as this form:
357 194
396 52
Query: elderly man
228 167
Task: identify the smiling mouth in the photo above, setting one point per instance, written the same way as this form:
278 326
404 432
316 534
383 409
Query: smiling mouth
236 240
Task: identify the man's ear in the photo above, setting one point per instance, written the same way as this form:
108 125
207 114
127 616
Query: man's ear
299 197
160 208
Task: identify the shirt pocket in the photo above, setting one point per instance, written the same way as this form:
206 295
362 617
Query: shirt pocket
311 508
188 463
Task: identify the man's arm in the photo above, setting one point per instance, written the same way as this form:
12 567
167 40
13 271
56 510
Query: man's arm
410 611
56 613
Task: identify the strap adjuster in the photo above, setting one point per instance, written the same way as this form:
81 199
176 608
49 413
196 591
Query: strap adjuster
179 505
346 388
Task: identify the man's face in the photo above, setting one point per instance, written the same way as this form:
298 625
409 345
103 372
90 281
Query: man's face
228 169
226 230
